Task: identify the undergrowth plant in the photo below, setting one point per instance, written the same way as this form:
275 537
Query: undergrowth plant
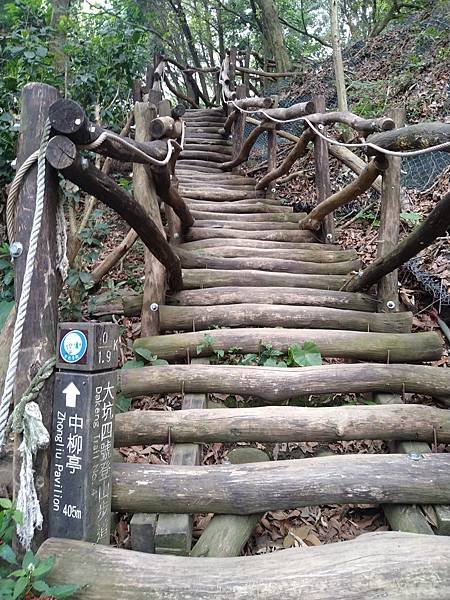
25 579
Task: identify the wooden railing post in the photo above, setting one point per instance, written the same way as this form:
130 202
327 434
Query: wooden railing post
39 340
246 76
145 194
322 167
232 70
239 124
272 151
388 233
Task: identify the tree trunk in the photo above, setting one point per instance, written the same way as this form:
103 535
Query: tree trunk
273 34
337 56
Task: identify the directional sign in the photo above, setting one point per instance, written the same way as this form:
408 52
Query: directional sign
82 442
71 392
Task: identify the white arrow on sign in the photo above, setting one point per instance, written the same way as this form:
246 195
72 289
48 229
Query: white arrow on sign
71 392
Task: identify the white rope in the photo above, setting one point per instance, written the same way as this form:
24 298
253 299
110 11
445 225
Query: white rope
62 262
26 288
108 134
337 143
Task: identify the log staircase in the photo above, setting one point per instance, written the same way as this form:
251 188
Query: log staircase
251 278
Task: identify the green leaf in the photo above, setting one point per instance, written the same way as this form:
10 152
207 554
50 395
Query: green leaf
28 559
145 353
306 356
7 553
28 54
270 362
18 573
133 364
43 567
41 586
122 403
5 502
20 587
158 362
86 277
5 308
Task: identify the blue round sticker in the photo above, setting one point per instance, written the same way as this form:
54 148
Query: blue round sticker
73 346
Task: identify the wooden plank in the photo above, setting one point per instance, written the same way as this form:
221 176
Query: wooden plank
272 152
388 565
358 345
195 318
285 424
240 489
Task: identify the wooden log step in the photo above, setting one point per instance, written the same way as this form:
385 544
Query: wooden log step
202 233
218 193
207 129
228 150
208 141
249 226
210 156
267 201
388 565
240 208
274 384
273 424
230 178
215 122
242 243
130 305
196 318
251 217
200 163
203 278
304 255
357 345
287 484
264 295
210 170
189 260
204 136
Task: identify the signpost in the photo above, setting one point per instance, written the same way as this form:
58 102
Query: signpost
83 431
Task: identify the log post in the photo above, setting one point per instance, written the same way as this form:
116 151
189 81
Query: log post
145 194
239 125
322 165
232 68
272 151
246 74
39 341
388 232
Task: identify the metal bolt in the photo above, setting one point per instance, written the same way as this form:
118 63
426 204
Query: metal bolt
176 236
14 163
15 249
92 128
329 236
154 306
390 304
226 462
415 456
78 121
84 163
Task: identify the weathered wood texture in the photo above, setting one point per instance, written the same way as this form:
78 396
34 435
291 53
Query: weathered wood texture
39 341
349 193
193 318
131 304
226 535
283 424
203 278
274 384
412 137
144 192
201 233
435 225
388 565
191 260
259 487
322 178
247 146
388 233
63 155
